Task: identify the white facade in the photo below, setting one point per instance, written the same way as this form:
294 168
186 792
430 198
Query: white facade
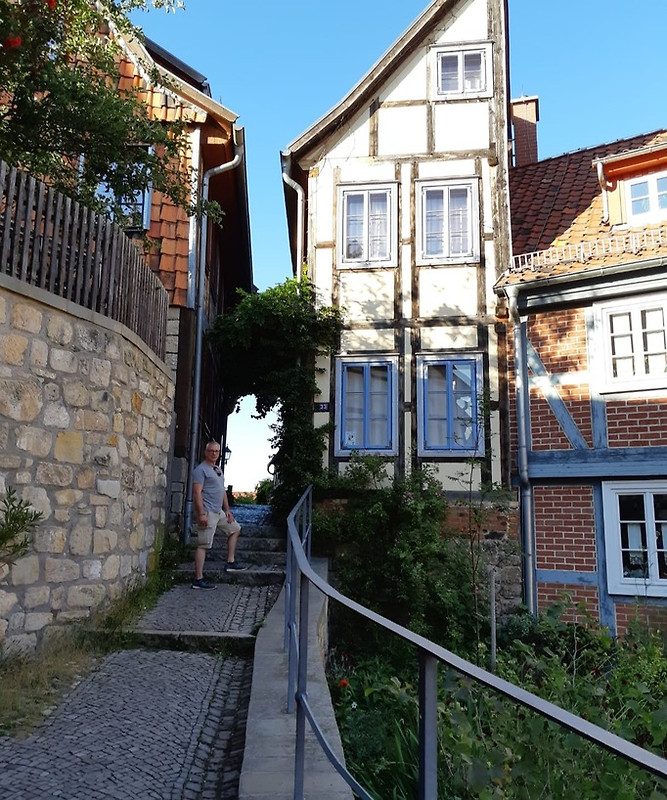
406 229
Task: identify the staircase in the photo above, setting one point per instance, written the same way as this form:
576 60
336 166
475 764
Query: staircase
261 547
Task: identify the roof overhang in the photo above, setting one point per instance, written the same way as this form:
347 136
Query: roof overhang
633 161
582 288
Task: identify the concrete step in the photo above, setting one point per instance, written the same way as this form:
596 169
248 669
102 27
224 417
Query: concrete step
214 571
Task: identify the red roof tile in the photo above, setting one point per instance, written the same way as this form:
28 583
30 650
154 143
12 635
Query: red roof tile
556 206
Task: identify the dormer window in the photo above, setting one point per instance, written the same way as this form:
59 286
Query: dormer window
647 199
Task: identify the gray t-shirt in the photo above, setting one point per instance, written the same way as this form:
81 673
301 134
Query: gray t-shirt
213 485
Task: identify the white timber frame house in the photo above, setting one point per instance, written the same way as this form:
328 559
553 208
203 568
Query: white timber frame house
398 212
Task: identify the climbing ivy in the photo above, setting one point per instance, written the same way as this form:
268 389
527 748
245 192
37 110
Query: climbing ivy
268 346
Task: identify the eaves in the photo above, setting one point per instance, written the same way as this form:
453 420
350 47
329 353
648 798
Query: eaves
583 288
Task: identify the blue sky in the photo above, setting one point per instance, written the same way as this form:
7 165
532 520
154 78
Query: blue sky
597 66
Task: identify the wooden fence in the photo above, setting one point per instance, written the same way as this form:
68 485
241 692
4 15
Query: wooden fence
51 241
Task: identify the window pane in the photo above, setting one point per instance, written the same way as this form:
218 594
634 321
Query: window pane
354 226
463 406
434 222
435 423
378 225
653 330
473 80
622 352
639 197
379 407
459 222
660 515
633 535
449 72
662 192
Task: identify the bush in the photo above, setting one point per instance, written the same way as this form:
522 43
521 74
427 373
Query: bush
263 492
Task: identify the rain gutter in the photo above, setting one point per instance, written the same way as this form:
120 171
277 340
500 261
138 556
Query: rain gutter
286 158
526 503
199 333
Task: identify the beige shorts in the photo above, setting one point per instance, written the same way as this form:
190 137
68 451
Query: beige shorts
215 521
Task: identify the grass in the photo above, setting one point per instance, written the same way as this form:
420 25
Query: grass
33 684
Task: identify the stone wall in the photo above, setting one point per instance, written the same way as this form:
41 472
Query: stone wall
85 413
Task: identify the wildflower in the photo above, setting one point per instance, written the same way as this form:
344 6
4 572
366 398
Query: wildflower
342 683
50 3
354 705
12 42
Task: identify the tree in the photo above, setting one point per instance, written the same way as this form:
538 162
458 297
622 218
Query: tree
62 117
268 346
17 520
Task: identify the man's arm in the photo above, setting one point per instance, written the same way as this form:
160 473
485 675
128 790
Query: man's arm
200 511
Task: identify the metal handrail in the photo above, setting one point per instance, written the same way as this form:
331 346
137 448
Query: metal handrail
299 525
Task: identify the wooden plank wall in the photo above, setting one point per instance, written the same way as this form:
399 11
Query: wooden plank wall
51 241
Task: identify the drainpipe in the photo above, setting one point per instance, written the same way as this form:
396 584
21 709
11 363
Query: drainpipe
301 195
199 333
523 438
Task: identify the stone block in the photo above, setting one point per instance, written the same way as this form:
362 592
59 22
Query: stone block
56 415
39 353
54 474
100 372
35 441
26 318
61 570
86 596
20 400
69 447
76 393
13 348
7 602
59 330
105 541
37 620
111 568
92 570
36 596
63 360
68 497
108 488
25 571
86 420
85 478
81 539
20 644
38 499
50 540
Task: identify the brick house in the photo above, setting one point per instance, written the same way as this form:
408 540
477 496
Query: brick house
587 303
201 263
397 208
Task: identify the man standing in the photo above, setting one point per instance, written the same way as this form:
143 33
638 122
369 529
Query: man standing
211 508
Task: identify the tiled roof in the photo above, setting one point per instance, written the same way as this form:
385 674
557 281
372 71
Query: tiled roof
557 215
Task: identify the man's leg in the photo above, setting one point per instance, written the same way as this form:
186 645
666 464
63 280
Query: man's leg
232 539
200 557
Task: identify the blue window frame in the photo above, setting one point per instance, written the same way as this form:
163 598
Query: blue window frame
366 407
448 400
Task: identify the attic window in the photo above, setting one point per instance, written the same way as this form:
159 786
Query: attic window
647 198
463 71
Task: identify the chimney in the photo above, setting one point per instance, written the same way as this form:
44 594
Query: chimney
525 115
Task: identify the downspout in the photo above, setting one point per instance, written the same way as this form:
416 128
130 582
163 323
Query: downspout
199 332
301 201
526 503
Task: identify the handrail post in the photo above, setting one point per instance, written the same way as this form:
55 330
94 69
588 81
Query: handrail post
302 690
428 726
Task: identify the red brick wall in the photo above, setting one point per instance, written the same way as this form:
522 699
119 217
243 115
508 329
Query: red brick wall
550 594
560 339
564 528
637 422
646 616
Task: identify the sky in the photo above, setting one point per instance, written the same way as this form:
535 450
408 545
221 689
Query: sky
597 66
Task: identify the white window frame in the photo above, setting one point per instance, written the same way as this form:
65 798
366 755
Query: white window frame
617 583
343 444
636 345
655 194
448 188
366 259
476 445
462 52
143 198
